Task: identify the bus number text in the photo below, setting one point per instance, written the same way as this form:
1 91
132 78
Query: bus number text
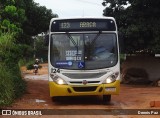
65 25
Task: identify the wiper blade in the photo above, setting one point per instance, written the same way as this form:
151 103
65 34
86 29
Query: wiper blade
96 37
70 37
74 43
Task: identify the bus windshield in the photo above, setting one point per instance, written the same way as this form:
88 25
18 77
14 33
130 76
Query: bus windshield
83 50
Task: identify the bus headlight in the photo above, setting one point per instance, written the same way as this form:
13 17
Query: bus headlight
112 78
58 80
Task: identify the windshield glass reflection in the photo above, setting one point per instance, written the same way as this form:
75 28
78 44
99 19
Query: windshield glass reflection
83 51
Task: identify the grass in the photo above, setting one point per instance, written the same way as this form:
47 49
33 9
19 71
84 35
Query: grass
11 85
6 87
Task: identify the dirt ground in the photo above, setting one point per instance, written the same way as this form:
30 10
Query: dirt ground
37 97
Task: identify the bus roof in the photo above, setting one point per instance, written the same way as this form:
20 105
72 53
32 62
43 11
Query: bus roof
87 17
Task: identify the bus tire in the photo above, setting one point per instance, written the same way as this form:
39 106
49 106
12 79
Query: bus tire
55 99
106 99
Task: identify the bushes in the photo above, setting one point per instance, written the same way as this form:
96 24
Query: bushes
19 83
29 65
6 87
19 86
11 84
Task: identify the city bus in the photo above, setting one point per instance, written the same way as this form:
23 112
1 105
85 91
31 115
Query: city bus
83 57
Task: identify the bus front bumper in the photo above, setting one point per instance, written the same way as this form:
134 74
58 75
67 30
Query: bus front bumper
80 90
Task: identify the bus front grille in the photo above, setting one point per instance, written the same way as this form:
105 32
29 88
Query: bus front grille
84 75
80 82
85 89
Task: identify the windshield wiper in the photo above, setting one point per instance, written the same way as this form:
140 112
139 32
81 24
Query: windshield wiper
89 47
95 38
74 43
70 37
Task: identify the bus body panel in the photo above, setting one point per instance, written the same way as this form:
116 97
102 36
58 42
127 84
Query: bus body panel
62 90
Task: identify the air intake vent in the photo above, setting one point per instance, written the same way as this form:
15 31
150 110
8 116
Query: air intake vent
84 75
85 89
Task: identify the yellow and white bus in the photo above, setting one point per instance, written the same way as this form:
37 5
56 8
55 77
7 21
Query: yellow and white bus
83 57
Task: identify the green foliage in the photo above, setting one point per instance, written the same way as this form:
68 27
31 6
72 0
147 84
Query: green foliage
139 23
21 13
26 51
41 51
22 62
6 23
29 65
6 87
11 10
12 18
7 26
6 42
27 18
19 21
39 42
38 19
19 83
11 84
7 2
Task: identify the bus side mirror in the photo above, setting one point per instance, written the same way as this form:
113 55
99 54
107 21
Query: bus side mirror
46 40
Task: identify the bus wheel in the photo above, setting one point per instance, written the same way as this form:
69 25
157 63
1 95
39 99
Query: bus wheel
55 99
106 99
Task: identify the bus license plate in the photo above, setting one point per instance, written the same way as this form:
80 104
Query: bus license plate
110 89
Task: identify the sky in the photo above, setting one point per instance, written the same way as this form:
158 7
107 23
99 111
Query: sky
73 8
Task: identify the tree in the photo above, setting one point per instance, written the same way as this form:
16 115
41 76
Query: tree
139 23
15 16
38 19
41 51
26 17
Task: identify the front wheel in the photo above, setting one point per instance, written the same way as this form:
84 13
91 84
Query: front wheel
35 71
56 98
106 99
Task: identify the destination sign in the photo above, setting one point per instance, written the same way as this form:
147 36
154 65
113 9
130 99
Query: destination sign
68 25
83 25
